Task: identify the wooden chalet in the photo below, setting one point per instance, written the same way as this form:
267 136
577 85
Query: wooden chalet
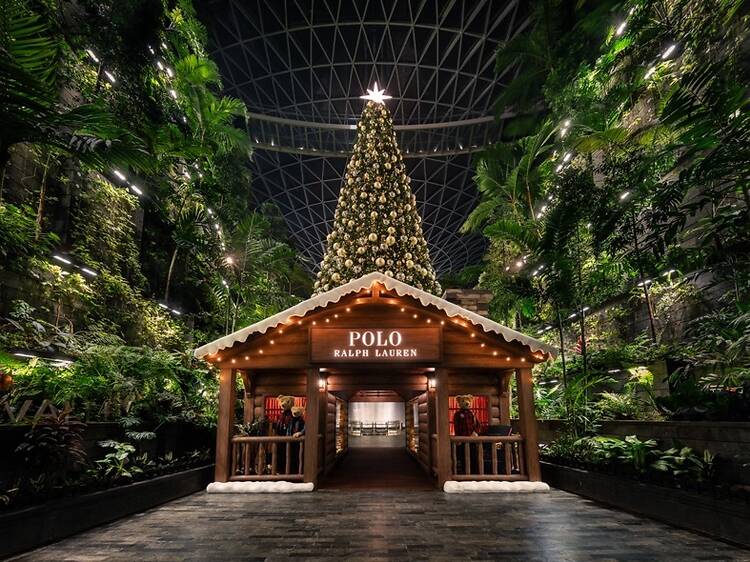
375 333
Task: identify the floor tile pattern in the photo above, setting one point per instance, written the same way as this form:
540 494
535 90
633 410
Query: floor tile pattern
386 525
377 467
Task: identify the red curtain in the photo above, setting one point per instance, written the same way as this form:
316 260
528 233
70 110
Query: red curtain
272 407
480 407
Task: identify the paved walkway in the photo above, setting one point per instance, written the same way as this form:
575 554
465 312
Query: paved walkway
386 525
375 468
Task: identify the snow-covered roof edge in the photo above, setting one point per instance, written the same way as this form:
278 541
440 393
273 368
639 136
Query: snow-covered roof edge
365 282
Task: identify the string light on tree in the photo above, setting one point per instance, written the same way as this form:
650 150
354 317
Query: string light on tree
376 224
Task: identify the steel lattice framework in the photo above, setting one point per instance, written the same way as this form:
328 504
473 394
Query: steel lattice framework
301 67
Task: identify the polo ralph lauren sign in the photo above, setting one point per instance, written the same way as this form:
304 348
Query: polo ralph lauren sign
374 345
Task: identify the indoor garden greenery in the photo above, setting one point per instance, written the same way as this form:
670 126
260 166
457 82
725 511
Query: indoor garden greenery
617 208
127 230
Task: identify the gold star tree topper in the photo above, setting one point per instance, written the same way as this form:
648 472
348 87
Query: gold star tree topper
376 95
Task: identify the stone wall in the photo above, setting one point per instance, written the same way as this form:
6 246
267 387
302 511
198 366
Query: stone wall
474 300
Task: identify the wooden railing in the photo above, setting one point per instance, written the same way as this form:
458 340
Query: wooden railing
372 428
267 458
488 458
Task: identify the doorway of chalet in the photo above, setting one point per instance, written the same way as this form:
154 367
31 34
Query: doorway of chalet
377 419
377 455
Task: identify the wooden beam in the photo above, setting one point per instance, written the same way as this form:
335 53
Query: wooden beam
312 419
505 398
248 400
527 420
466 359
225 424
442 425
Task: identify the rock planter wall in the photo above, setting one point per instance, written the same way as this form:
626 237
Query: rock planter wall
42 524
729 440
725 519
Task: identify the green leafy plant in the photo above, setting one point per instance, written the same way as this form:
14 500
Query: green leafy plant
18 240
257 427
117 464
641 457
52 451
637 453
684 463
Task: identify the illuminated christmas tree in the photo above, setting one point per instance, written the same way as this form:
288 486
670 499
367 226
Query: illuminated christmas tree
376 226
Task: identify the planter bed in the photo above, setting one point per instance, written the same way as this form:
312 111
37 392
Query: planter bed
41 524
702 512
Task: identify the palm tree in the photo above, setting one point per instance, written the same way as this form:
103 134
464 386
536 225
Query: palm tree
212 116
561 33
512 178
259 270
191 232
29 109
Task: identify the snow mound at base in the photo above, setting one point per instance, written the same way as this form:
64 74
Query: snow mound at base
488 486
280 487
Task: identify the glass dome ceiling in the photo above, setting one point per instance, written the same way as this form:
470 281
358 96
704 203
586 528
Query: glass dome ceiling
301 67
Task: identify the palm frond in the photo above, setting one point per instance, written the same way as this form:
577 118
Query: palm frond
513 231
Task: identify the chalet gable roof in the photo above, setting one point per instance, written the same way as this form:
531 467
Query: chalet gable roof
365 282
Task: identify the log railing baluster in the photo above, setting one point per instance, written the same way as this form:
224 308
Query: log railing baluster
260 460
249 458
474 447
509 452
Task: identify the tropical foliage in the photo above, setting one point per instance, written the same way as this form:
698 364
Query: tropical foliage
128 236
676 466
622 183
120 155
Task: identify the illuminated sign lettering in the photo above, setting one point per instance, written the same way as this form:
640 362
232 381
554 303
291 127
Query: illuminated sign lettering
363 345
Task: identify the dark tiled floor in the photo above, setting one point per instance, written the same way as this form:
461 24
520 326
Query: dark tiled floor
386 525
377 468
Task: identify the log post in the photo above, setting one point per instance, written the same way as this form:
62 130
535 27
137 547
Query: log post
224 425
432 454
504 396
505 403
442 426
527 420
312 419
248 404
